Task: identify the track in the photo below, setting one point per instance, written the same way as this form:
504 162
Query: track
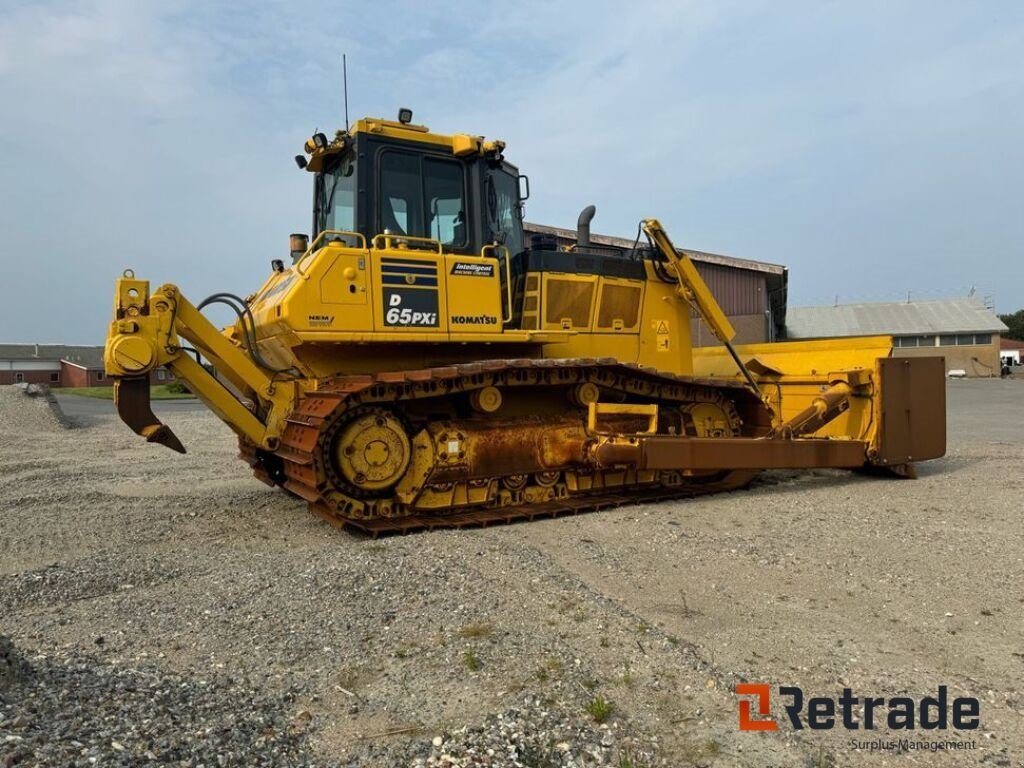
481 518
302 465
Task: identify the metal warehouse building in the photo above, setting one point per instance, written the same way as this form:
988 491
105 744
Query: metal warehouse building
963 331
751 293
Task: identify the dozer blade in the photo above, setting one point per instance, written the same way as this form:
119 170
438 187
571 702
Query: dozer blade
131 397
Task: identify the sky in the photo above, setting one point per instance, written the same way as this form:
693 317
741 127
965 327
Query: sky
874 148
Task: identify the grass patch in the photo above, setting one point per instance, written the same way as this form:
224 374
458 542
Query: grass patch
470 661
405 651
474 631
701 752
158 392
600 709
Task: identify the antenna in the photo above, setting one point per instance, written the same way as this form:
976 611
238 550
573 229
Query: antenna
344 78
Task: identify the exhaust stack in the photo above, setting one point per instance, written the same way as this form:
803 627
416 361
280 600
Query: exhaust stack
583 226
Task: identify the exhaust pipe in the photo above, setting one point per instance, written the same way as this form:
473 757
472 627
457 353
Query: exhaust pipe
583 226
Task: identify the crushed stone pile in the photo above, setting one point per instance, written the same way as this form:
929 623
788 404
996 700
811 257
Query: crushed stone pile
23 414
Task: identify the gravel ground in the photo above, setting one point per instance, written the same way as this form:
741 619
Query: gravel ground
170 609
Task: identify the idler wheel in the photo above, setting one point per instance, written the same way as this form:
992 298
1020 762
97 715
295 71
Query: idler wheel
372 451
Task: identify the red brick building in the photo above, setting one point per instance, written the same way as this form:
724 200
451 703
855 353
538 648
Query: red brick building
59 365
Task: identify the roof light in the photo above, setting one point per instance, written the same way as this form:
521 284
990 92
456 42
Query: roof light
404 115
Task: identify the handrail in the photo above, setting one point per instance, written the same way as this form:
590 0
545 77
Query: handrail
386 238
318 238
505 320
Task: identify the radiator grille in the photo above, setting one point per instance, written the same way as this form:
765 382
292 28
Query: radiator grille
619 302
568 299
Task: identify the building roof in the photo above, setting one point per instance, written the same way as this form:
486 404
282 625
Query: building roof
621 242
1005 343
86 357
89 357
902 318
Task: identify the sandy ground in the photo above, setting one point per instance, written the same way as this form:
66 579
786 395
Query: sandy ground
138 558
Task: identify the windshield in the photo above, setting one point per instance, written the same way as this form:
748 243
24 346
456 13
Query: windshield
336 196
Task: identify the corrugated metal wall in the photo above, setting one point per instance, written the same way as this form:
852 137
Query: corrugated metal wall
738 291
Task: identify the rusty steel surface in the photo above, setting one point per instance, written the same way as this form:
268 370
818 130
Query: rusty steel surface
913 410
710 453
497 447
492 448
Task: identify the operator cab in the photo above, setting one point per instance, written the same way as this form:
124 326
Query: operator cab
398 179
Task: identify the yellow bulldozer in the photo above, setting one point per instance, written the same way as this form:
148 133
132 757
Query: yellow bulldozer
417 363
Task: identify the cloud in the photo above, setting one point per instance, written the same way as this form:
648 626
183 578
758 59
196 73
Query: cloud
874 139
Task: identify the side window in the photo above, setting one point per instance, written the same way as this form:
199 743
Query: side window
446 201
503 210
401 195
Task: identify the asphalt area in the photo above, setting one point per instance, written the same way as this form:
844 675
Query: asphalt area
160 608
78 407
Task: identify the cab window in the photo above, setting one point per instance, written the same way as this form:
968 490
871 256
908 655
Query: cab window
504 213
336 196
423 197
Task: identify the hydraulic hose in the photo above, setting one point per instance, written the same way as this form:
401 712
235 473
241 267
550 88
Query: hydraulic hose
248 324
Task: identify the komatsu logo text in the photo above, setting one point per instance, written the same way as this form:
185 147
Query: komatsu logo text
473 320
